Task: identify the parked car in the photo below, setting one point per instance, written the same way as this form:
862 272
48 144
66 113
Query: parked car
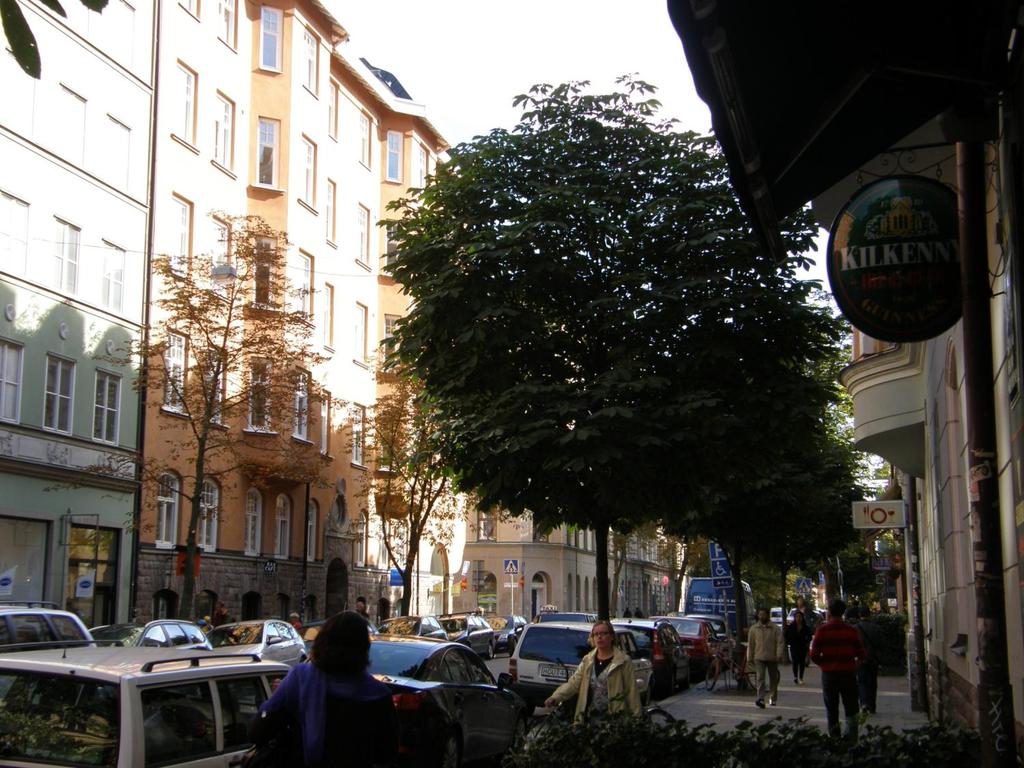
413 626
449 708
311 629
697 636
39 622
127 707
159 633
506 631
471 630
584 616
718 623
548 653
658 641
270 639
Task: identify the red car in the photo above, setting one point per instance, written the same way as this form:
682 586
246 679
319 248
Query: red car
697 636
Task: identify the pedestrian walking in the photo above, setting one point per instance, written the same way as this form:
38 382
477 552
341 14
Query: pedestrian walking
867 673
766 649
810 616
295 620
361 608
798 637
837 649
220 615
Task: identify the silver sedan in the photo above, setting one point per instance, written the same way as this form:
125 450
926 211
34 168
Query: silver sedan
270 639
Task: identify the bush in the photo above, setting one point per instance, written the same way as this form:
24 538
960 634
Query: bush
621 741
894 646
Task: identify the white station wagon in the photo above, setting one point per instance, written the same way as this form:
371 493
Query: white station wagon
122 707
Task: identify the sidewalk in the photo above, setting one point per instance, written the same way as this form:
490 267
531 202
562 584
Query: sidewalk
726 708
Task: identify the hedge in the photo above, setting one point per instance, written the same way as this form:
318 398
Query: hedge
893 654
620 741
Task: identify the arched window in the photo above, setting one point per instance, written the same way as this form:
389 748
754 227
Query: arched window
283 604
209 506
167 500
253 521
586 593
205 602
283 525
251 606
310 607
165 604
314 512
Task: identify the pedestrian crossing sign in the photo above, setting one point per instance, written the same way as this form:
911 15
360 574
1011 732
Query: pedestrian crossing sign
512 567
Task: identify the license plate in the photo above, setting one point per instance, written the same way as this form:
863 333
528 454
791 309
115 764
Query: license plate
553 672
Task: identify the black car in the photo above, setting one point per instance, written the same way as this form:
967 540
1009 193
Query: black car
471 630
507 630
449 708
413 626
658 641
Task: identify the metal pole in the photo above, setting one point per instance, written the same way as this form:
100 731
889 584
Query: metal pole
918 687
995 697
305 559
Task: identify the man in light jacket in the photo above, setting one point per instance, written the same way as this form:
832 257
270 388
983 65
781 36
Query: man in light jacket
766 649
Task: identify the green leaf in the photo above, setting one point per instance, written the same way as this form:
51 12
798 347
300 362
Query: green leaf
54 6
95 5
20 38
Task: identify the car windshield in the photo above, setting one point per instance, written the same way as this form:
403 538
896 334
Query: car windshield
454 626
58 720
561 645
685 627
497 622
125 634
239 634
405 625
397 659
642 637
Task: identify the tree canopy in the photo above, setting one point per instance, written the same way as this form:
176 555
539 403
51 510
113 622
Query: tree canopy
593 320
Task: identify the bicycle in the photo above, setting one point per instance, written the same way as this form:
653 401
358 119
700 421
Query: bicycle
723 662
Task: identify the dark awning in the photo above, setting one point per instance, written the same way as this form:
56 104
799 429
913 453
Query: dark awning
803 91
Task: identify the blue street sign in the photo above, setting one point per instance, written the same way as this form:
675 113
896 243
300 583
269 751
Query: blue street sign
722 583
396 578
512 567
804 586
719 563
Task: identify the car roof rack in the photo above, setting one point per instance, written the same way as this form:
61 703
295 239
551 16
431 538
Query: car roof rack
29 604
193 661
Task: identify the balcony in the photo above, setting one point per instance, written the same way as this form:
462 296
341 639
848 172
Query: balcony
887 385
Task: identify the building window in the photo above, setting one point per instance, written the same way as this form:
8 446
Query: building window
259 397
313 512
222 242
419 178
213 383
253 521
391 248
394 156
487 529
328 316
364 139
358 440
118 151
363 232
359 333
332 110
330 211
309 171
10 381
224 131
270 38
389 333
107 406
65 263
263 277
185 121
325 423
192 6
60 386
362 538
181 223
174 372
167 511
209 506
72 117
305 293
267 170
311 49
226 21
113 278
300 407
13 233
283 525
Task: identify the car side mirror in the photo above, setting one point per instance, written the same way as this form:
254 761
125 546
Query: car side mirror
150 642
275 640
504 680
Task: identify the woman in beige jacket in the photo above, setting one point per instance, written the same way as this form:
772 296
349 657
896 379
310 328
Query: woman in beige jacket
604 681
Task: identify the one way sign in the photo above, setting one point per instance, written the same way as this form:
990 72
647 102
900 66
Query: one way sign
512 567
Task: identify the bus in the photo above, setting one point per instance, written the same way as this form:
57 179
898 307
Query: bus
702 597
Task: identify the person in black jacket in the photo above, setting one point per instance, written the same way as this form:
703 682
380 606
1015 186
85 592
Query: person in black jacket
344 716
867 673
798 638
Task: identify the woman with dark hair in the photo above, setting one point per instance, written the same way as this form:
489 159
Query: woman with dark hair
344 715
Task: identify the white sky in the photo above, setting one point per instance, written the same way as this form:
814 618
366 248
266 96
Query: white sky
466 60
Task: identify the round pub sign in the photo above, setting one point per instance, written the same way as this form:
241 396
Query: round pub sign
894 259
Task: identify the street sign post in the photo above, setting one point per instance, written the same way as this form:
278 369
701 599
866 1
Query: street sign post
511 571
722 582
879 515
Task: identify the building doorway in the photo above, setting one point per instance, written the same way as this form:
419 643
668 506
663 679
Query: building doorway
337 586
538 592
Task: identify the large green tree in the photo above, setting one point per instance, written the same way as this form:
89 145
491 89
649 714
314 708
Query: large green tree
587 296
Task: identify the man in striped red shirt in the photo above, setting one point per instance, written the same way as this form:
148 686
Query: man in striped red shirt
837 649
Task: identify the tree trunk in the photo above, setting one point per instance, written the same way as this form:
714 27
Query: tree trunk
406 587
601 564
782 591
188 587
737 586
618 561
